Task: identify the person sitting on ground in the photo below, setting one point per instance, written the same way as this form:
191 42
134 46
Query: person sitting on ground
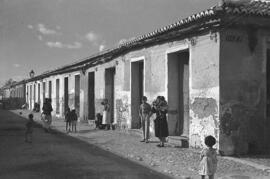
208 158
98 121
68 120
29 129
36 107
145 113
24 106
74 118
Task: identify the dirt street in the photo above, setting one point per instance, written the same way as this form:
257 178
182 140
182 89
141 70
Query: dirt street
58 156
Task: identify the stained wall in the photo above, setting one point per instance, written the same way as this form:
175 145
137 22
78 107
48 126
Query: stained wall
244 125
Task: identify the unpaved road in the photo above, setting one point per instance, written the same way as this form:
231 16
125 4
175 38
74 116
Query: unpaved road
58 156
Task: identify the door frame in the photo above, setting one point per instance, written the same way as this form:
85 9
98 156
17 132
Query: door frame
183 47
133 60
137 59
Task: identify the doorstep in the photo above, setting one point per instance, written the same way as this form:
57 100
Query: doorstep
176 141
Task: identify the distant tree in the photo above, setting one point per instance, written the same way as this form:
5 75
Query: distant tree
9 82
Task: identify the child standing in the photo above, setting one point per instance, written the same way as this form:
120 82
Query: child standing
98 121
145 113
208 164
74 118
29 129
67 120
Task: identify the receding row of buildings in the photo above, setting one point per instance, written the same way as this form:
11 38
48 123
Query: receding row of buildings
212 67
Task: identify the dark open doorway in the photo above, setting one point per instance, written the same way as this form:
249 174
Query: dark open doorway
268 81
91 95
109 90
77 94
34 93
44 91
267 120
57 100
50 89
137 91
38 93
66 95
178 93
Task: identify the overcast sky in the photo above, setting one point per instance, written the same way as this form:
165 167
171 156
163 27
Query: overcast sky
45 34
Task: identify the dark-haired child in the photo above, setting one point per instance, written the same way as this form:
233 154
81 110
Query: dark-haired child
68 120
98 121
208 164
29 129
74 119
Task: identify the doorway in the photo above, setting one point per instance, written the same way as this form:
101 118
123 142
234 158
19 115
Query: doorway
57 96
50 89
44 91
268 81
178 93
91 95
65 94
34 93
77 94
38 93
267 121
109 90
137 91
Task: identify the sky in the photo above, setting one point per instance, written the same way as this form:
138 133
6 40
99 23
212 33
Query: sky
42 35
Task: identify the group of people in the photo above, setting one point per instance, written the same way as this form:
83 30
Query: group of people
104 121
160 108
46 119
71 119
208 156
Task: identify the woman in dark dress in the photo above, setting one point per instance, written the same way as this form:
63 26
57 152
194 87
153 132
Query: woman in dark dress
160 107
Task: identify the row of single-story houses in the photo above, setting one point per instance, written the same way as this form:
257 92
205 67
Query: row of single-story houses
212 68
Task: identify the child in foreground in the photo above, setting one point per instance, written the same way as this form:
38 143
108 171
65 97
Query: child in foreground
29 129
208 164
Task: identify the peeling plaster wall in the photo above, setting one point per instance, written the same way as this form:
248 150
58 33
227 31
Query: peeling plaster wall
243 121
154 80
204 84
204 90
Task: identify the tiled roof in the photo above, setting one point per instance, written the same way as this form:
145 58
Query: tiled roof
257 8
228 7
261 8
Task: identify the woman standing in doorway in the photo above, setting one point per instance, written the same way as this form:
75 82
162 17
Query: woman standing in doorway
106 118
160 107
